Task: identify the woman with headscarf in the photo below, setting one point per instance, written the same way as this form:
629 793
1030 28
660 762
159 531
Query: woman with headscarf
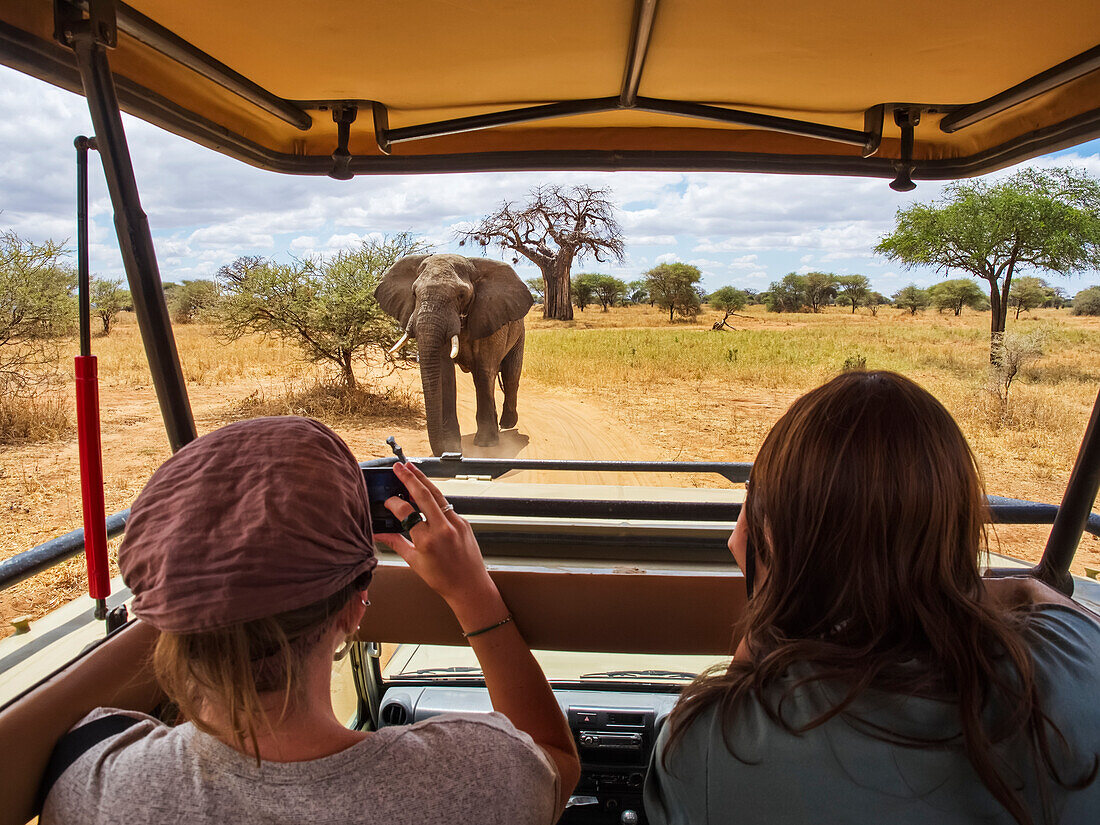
251 551
877 676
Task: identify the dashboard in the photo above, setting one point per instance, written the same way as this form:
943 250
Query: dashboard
614 730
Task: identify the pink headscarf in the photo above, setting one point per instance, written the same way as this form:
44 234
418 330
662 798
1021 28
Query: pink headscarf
257 518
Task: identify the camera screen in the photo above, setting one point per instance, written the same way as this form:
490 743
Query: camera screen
381 484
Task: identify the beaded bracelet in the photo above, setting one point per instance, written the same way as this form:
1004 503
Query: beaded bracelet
501 623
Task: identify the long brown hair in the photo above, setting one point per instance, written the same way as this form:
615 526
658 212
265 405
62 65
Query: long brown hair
867 512
232 667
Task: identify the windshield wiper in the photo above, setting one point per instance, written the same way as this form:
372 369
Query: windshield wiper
442 671
640 674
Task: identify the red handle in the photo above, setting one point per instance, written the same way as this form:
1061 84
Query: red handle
91 476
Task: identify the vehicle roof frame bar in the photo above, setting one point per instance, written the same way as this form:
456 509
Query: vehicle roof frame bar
171 45
597 105
135 239
1065 72
641 31
1074 512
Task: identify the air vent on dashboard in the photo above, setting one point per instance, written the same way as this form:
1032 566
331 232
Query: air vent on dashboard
395 714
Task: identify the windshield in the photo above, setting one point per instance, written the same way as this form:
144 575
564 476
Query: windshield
440 662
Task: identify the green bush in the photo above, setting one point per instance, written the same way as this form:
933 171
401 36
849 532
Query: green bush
1087 301
37 308
190 301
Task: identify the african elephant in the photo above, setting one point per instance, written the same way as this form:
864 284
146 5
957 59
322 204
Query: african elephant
467 311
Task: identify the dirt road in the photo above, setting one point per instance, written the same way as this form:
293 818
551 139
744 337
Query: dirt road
552 425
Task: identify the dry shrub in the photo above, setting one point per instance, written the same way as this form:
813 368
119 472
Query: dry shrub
1014 350
854 362
332 404
35 416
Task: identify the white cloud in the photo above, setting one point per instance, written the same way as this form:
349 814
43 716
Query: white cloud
303 243
206 209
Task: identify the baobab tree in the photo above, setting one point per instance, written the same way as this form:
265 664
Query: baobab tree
554 227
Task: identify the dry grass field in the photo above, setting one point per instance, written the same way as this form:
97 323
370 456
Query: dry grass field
676 391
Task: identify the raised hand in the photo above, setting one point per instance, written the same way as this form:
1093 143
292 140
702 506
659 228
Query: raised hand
443 551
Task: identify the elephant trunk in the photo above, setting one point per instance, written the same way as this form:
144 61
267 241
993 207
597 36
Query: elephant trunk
435 331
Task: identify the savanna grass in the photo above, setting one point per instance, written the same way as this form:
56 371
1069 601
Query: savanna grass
38 416
698 379
208 358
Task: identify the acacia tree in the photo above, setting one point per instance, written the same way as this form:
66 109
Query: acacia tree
638 292
672 286
727 300
607 289
955 294
555 226
788 295
873 300
852 289
324 305
1038 219
1028 293
912 298
108 299
581 290
820 289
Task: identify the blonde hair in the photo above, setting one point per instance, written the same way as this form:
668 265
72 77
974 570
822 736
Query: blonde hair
229 668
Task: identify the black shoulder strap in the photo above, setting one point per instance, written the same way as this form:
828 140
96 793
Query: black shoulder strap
76 743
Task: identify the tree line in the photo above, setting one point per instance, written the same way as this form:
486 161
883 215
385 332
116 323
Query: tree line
675 287
1045 220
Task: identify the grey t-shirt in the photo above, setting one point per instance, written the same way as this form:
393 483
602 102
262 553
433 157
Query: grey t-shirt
836 773
451 768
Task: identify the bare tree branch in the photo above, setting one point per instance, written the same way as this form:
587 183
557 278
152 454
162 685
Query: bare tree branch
555 226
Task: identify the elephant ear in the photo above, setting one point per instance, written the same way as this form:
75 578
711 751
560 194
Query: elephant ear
499 298
395 292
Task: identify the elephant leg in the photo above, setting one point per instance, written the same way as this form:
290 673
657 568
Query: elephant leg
510 369
487 432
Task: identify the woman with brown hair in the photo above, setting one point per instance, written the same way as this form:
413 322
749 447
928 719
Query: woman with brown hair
878 677
251 551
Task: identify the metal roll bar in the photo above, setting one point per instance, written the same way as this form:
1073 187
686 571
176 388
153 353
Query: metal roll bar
710 513
1075 515
88 40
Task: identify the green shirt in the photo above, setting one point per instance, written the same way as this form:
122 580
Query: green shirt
836 773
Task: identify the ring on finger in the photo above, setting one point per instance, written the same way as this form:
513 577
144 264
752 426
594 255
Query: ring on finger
448 507
410 521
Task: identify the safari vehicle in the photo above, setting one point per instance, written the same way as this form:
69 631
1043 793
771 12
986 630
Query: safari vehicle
618 587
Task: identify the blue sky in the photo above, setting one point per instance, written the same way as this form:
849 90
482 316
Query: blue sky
206 209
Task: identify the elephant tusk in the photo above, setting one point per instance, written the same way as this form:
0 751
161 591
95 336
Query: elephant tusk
454 347
399 344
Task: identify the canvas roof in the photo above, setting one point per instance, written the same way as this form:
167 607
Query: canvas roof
636 67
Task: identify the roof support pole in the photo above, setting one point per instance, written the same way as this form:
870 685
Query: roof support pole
1073 514
644 12
132 227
